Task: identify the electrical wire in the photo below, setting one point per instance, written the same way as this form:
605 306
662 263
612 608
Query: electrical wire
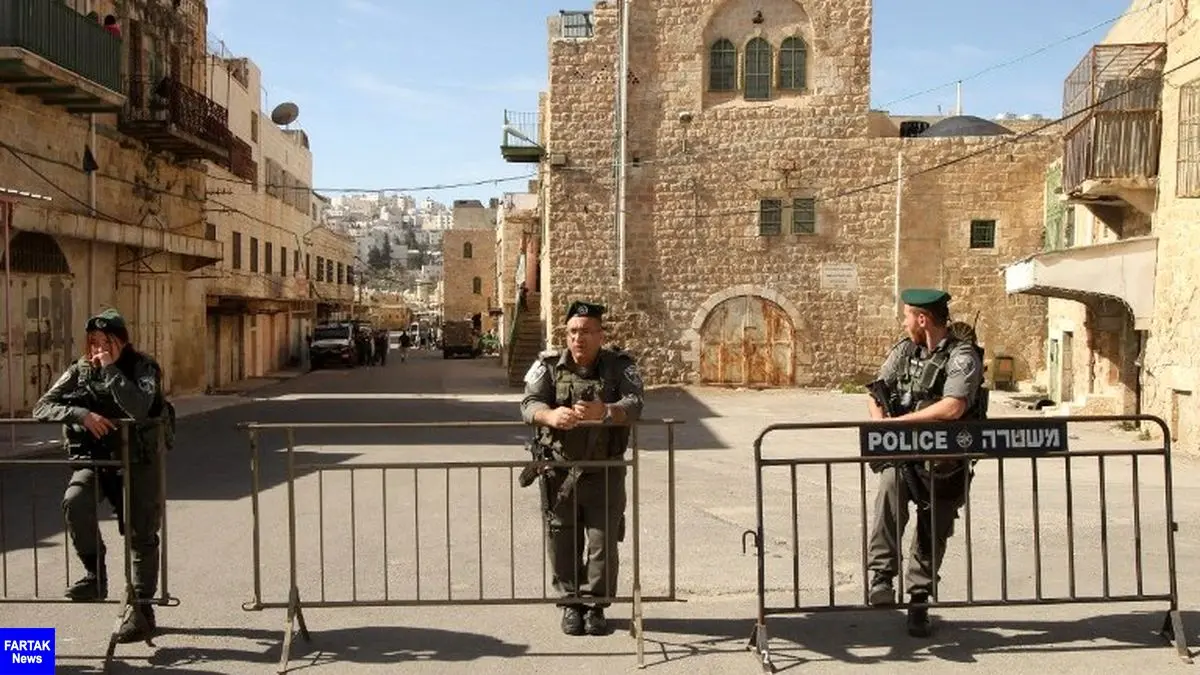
716 213
1022 57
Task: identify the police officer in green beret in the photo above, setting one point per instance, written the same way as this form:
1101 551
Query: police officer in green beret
937 378
585 382
112 381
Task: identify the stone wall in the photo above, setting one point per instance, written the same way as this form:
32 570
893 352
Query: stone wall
459 300
1171 379
696 181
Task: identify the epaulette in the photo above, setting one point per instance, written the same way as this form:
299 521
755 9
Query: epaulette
549 353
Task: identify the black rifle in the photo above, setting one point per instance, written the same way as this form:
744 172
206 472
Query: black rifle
542 453
886 399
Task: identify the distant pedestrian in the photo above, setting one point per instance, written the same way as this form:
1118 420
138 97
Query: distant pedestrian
405 343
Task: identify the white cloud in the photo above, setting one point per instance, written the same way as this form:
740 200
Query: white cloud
399 95
363 7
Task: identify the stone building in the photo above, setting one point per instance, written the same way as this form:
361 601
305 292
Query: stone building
469 275
770 217
282 269
517 224
1121 258
108 129
471 214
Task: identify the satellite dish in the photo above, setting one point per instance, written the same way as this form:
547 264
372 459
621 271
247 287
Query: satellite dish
285 113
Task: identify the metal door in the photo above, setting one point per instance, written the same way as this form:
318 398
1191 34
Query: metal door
747 340
40 343
1067 366
1055 367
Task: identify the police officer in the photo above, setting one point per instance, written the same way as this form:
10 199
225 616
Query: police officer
586 382
112 381
938 378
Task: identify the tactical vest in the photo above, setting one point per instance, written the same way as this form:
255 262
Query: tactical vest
569 388
922 381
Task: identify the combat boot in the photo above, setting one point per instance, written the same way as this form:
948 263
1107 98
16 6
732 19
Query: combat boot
594 622
93 586
139 625
572 621
918 615
882 593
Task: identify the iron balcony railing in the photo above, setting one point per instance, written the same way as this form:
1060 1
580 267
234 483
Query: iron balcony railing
525 124
169 100
59 34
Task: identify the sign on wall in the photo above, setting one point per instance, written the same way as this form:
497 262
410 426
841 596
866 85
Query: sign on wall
839 277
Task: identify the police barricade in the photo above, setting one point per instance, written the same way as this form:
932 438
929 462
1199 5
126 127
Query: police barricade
21 541
488 499
1027 456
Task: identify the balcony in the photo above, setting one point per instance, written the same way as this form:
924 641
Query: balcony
1121 270
518 144
1113 100
168 115
50 51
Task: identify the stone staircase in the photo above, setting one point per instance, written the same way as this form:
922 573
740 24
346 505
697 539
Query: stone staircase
527 343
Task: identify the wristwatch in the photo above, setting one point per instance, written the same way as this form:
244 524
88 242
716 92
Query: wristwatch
608 418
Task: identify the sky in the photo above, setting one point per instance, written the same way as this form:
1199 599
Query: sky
402 94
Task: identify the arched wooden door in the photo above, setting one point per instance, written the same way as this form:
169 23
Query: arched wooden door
748 340
41 340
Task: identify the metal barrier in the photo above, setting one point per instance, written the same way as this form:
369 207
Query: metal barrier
127 598
1016 444
296 601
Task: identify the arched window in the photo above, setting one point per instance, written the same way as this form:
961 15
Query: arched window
793 64
759 68
467 249
722 66
476 285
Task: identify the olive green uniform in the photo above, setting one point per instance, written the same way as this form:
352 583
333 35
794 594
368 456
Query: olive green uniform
960 376
585 528
130 388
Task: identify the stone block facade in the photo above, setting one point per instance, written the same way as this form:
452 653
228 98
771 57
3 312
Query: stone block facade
761 222
136 254
469 275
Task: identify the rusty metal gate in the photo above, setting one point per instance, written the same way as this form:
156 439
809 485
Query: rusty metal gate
748 340
461 519
1105 515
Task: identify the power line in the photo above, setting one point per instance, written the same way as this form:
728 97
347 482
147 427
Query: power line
1017 59
970 155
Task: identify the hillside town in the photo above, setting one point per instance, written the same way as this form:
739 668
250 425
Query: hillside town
722 231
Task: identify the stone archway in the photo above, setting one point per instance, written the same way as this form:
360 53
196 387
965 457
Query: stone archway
746 336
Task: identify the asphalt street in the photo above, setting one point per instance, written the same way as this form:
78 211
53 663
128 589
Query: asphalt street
430 534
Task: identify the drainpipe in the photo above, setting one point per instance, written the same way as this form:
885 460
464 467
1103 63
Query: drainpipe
1139 363
622 133
6 211
91 287
896 243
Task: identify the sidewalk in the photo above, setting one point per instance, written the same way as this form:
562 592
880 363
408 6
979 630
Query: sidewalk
32 440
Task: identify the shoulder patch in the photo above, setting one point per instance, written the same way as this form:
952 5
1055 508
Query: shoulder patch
633 375
963 361
535 372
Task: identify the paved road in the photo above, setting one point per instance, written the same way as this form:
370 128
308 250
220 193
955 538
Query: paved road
211 566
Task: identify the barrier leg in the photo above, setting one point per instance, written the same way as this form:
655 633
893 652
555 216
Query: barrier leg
639 634
1173 631
759 642
295 615
126 607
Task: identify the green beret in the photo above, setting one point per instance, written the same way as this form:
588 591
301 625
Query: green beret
108 321
924 298
581 308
